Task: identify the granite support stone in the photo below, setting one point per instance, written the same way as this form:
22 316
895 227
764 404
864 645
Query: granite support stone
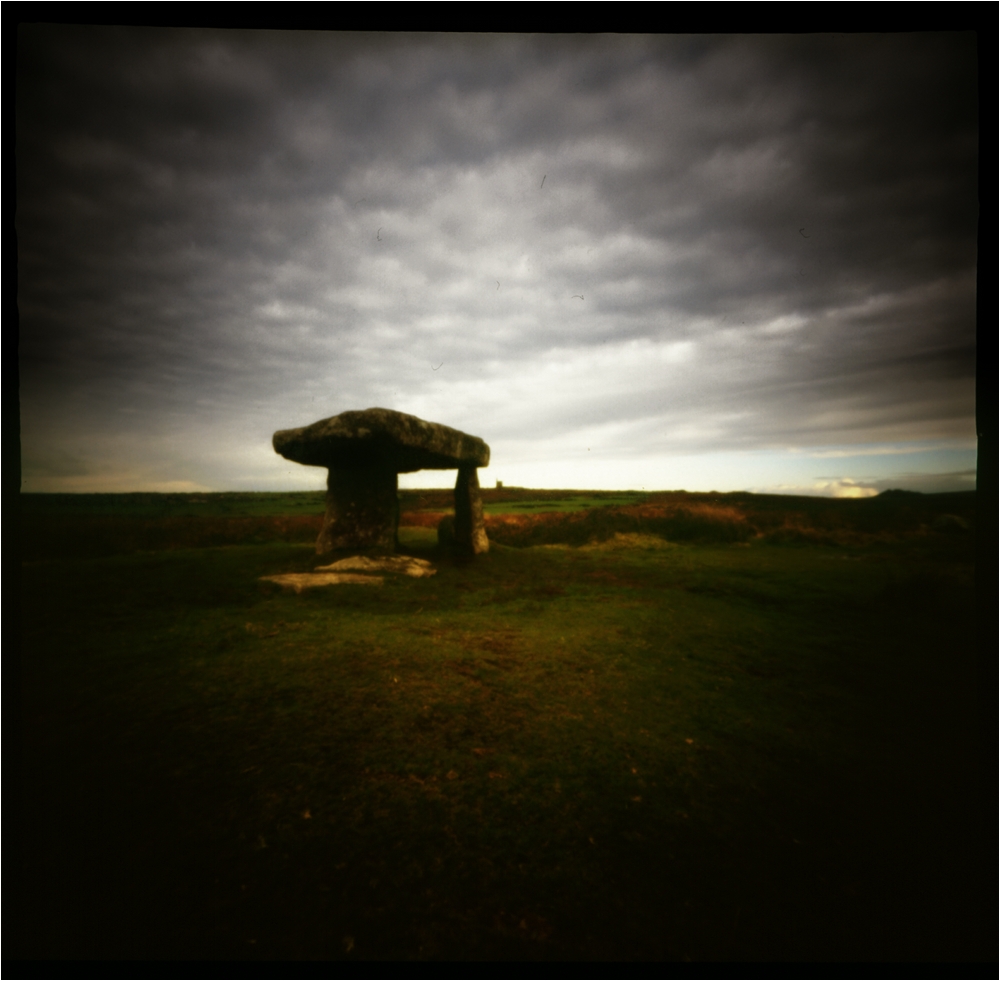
362 510
470 528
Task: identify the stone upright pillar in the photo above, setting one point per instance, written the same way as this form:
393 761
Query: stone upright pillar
362 510
470 528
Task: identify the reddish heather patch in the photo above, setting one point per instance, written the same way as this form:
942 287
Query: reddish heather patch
421 519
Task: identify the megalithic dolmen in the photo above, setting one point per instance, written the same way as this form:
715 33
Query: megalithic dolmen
364 452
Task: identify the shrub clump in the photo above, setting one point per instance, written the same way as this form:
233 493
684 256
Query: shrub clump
689 522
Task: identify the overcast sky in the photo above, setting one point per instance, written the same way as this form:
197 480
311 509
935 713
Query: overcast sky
660 262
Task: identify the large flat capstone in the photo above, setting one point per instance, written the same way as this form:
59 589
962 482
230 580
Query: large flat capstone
383 439
364 451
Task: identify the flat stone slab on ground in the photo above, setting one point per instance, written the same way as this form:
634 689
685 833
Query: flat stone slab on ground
352 570
419 568
306 580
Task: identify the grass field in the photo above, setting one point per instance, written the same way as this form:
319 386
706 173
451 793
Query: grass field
684 727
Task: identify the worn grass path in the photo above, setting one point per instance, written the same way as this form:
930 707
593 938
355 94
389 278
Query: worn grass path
640 751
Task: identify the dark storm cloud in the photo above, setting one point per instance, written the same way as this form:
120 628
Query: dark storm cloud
225 232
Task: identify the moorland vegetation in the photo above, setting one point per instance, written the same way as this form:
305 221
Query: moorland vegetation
94 524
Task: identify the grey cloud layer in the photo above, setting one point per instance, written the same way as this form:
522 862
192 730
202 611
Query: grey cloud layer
773 238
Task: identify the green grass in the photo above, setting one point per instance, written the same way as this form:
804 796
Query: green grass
285 503
520 500
575 502
640 750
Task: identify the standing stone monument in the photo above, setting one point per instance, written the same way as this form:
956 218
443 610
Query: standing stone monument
365 451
